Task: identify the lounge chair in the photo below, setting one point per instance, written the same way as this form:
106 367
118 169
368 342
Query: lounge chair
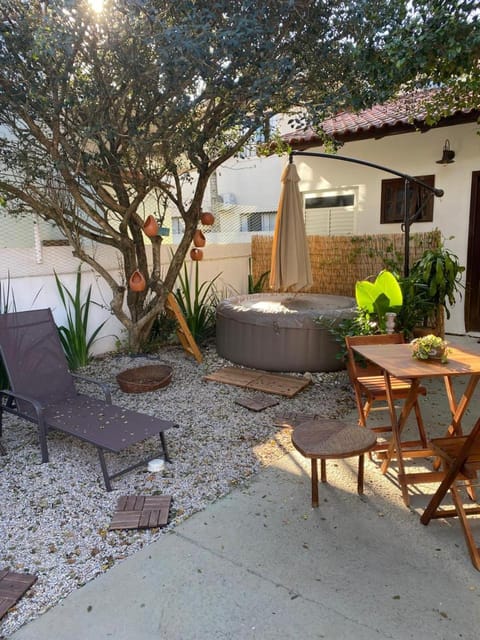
43 391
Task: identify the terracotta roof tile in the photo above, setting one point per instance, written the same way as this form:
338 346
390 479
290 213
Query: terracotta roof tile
408 111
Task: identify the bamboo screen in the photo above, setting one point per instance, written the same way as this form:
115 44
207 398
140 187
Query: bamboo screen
339 261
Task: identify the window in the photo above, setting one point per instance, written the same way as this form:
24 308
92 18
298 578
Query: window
418 200
258 221
327 202
331 213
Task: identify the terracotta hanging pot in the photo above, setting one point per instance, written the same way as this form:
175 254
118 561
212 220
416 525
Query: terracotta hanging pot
150 227
196 254
207 218
199 239
137 281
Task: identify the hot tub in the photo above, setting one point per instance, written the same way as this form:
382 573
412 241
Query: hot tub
278 332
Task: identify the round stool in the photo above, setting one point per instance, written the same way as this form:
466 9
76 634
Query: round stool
326 439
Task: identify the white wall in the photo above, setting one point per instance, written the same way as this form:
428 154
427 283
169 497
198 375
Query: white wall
33 284
253 181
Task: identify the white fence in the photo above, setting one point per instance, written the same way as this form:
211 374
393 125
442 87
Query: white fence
33 286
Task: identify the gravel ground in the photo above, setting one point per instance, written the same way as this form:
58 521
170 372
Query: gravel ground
54 517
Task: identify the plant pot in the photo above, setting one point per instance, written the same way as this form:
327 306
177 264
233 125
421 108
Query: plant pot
141 379
137 281
207 218
429 347
199 239
196 254
150 228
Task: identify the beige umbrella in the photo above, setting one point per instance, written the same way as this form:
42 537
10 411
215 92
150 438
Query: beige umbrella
290 268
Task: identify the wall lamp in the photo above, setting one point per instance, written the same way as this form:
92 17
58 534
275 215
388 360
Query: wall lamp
448 154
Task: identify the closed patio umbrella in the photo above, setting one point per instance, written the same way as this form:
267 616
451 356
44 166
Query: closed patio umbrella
290 267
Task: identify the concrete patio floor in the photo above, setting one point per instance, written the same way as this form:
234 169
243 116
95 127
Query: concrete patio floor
261 564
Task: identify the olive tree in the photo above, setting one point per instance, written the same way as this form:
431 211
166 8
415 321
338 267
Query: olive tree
102 109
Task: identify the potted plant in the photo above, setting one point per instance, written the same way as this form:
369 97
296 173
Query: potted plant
416 308
378 298
439 270
430 347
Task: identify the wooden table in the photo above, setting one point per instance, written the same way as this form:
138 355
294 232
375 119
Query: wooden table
396 361
325 439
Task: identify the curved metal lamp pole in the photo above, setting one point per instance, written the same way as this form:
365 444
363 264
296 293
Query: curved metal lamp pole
407 220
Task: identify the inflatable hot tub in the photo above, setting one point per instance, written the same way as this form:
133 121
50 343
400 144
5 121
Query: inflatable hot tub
278 332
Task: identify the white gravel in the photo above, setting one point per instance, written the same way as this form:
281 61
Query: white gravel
54 517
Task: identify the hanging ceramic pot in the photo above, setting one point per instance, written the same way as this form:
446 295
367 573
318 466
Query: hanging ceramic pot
199 239
207 218
150 227
137 281
196 254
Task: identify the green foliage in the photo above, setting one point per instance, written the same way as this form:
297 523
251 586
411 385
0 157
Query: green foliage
258 286
440 271
360 324
378 298
74 336
198 304
417 305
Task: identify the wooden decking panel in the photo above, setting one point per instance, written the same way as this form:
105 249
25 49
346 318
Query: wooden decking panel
12 587
141 512
256 403
275 383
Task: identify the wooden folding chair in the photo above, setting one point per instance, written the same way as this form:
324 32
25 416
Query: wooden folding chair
461 458
369 385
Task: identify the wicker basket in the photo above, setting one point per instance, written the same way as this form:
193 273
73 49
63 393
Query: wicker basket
146 378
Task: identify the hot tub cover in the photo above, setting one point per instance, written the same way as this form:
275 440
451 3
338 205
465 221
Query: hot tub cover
278 332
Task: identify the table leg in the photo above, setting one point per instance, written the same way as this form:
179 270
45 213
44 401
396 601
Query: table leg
361 464
397 426
323 469
314 482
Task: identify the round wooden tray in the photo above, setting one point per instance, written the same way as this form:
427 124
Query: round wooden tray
146 378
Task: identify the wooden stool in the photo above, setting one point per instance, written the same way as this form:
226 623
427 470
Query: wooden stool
330 440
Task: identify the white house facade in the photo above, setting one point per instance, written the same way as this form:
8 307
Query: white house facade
345 198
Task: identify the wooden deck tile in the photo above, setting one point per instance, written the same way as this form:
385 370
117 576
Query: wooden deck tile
12 587
276 383
256 403
141 512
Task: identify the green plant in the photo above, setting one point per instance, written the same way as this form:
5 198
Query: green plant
440 270
74 336
429 347
380 297
257 287
359 324
198 304
417 305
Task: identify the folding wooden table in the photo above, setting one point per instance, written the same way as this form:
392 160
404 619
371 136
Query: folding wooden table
396 361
